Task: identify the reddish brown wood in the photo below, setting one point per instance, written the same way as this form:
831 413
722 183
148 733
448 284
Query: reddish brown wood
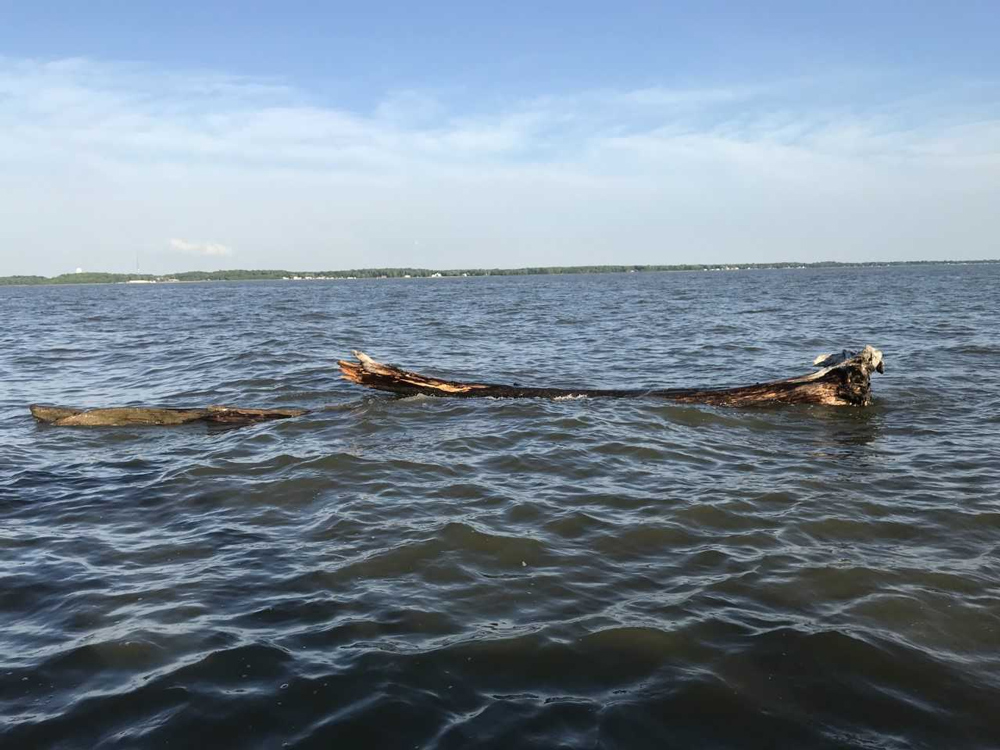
843 380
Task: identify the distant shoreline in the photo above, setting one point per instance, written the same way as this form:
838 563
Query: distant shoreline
422 273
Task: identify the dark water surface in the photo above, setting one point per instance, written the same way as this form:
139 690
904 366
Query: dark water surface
429 573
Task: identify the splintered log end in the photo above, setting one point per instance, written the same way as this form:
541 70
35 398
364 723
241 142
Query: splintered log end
367 372
351 371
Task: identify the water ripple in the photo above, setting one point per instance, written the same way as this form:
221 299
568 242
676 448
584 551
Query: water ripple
445 574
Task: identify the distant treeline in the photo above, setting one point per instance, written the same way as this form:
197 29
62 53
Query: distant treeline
399 273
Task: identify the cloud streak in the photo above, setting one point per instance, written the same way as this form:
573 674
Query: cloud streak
129 114
774 170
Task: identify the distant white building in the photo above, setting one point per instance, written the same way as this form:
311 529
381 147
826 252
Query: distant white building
79 270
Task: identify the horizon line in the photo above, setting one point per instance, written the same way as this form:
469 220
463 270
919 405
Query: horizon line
271 274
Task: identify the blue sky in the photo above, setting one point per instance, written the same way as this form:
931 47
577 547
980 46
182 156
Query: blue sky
314 135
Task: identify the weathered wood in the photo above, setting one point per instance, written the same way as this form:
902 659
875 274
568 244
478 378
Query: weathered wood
843 380
150 415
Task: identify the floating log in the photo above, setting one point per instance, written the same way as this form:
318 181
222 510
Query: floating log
844 379
126 416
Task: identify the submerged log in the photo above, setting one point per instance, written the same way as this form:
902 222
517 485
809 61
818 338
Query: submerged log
150 415
843 380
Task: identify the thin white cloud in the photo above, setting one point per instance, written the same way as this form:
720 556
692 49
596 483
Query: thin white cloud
776 170
130 114
209 249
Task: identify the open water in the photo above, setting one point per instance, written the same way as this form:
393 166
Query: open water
433 573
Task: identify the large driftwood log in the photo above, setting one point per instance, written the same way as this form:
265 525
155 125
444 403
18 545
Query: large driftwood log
843 380
150 415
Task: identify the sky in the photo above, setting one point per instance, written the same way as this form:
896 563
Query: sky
322 136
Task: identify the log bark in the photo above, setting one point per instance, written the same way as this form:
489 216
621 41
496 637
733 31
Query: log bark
124 416
844 379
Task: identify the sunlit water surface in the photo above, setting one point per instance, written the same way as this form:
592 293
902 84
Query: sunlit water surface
428 573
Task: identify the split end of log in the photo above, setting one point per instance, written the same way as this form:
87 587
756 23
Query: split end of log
367 372
123 416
